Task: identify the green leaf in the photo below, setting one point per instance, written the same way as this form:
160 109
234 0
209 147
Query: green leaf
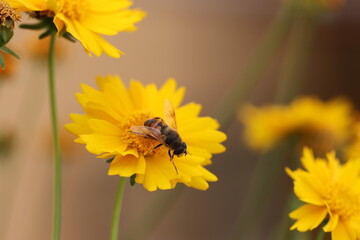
7 50
69 37
132 180
2 62
109 160
35 26
46 33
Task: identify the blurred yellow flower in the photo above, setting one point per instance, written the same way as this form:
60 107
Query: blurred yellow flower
320 124
114 109
331 191
352 149
86 20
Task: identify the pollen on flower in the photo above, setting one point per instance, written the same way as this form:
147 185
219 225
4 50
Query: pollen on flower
71 9
8 13
340 200
143 145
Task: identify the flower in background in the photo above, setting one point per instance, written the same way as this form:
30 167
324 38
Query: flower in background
331 191
112 111
86 20
7 139
322 125
352 148
10 67
39 48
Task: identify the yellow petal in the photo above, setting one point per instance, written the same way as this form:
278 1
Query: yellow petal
99 144
114 85
196 124
308 217
169 91
307 159
127 165
79 125
108 5
104 127
28 5
198 183
208 176
188 111
308 188
120 21
341 232
137 94
332 223
196 151
159 172
199 138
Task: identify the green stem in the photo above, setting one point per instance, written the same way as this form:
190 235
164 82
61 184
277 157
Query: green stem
257 65
117 210
320 235
296 59
57 153
153 214
262 186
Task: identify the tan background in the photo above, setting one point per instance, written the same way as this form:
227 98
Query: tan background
203 44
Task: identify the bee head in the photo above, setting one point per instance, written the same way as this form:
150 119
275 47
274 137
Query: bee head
181 150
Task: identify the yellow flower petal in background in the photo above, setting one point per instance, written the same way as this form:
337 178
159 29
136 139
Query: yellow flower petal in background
332 193
86 20
111 111
309 217
321 125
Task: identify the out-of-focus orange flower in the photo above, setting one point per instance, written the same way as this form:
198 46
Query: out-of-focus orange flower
10 69
39 48
6 141
69 150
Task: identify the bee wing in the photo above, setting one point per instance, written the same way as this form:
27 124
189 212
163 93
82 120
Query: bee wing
169 114
147 132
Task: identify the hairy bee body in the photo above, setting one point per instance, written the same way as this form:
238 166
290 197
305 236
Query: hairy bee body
164 132
171 138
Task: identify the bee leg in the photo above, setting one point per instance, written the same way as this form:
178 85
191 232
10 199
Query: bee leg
170 155
175 168
153 148
157 146
171 160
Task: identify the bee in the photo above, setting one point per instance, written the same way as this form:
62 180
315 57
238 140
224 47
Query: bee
163 131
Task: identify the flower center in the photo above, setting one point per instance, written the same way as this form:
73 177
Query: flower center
144 146
342 200
73 9
7 13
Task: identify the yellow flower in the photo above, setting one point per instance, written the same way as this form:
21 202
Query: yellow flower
352 149
86 20
324 124
106 131
331 191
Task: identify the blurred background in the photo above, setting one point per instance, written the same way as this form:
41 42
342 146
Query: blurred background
204 45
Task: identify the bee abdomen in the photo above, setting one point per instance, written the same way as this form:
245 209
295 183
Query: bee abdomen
153 122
